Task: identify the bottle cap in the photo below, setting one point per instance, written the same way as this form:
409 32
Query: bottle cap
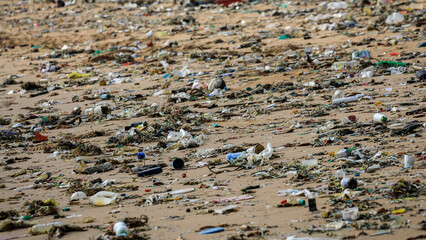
141 155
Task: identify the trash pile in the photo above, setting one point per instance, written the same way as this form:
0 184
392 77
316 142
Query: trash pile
236 119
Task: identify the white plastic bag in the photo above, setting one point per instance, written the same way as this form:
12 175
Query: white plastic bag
394 18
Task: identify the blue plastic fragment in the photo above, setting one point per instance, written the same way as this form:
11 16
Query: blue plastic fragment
211 230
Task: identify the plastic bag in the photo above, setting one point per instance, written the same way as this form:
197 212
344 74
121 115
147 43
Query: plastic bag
394 18
103 198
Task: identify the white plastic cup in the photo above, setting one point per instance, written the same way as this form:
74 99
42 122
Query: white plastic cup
408 161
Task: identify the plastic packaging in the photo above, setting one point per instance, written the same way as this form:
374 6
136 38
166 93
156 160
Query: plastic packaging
408 161
311 163
103 198
267 152
350 214
380 118
43 228
120 229
394 18
342 153
361 54
233 156
78 196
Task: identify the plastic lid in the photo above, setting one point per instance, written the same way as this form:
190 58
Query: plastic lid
301 202
384 119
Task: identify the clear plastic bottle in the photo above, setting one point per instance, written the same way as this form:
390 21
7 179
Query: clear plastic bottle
295 202
43 228
344 65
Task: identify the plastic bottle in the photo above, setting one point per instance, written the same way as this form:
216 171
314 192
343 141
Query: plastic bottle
380 118
43 228
348 99
344 65
293 202
120 229
150 171
408 161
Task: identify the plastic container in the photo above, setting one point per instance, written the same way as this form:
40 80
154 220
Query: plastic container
43 228
344 153
120 229
310 163
350 214
150 171
78 196
380 118
408 161
103 198
178 164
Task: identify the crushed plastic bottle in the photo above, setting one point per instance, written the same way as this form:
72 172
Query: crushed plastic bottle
39 229
344 65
